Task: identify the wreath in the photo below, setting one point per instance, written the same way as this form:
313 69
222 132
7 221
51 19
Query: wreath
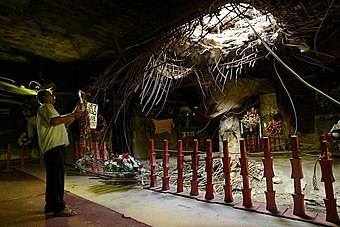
274 127
102 122
251 119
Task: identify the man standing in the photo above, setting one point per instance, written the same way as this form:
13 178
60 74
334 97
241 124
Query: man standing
53 138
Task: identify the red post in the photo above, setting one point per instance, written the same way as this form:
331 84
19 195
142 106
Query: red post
76 151
228 196
22 154
194 166
328 179
8 163
166 178
153 176
246 190
105 155
297 175
269 174
99 167
180 157
209 168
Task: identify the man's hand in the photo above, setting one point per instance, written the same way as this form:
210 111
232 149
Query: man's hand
67 119
77 108
77 113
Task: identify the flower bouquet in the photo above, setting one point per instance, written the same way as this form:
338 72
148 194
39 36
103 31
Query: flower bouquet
123 163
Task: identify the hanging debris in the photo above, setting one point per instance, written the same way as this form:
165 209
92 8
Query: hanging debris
221 44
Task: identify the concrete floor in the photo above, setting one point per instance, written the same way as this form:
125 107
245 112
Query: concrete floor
161 209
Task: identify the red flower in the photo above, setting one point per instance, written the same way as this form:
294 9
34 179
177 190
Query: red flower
125 156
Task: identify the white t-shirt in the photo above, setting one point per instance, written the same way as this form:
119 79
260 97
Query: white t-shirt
50 136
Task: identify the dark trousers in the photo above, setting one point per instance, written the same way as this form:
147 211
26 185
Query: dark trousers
55 170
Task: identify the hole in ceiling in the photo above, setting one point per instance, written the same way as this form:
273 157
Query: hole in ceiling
230 28
224 42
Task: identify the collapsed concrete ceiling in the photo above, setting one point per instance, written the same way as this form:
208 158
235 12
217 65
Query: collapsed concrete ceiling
74 42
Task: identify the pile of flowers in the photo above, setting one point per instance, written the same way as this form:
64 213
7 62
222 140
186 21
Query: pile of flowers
123 162
274 127
251 119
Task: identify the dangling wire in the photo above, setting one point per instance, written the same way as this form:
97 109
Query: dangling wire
290 98
37 85
8 79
